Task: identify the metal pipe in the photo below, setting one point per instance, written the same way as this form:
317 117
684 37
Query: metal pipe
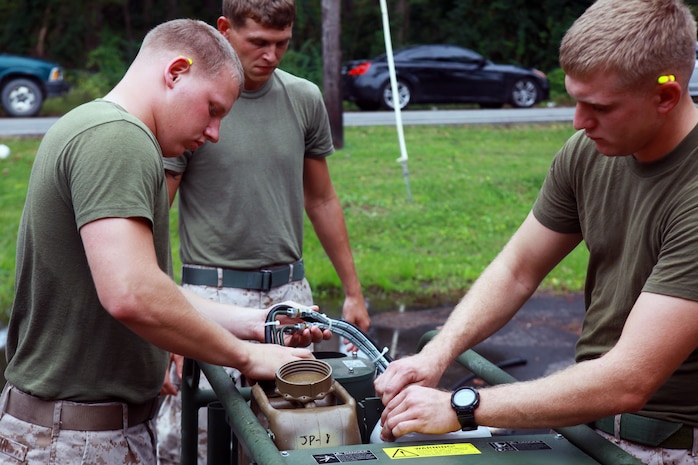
243 422
193 398
582 436
219 444
340 327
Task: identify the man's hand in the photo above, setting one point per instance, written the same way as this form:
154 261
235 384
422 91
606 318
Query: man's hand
355 312
266 359
418 409
416 369
308 335
169 387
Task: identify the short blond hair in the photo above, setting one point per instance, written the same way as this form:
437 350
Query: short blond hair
196 40
638 40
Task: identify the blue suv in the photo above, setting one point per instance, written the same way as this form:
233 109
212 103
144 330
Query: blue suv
26 82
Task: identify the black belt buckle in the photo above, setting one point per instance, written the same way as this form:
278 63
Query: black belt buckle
266 283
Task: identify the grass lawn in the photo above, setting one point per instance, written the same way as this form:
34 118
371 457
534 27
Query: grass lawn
471 186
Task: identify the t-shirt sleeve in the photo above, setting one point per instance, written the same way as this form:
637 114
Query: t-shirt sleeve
118 178
309 107
177 164
556 204
318 136
676 271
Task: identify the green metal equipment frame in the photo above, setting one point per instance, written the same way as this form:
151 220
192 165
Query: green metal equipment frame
232 423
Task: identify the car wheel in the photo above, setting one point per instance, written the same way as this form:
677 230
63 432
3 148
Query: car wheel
22 97
404 94
524 93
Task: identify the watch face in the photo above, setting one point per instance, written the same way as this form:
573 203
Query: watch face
464 397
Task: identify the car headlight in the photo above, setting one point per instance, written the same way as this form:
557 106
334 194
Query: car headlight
56 74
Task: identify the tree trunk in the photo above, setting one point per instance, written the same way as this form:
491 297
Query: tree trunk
40 50
332 64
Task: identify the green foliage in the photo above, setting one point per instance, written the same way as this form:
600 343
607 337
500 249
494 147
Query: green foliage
526 32
305 62
85 87
471 187
108 59
558 92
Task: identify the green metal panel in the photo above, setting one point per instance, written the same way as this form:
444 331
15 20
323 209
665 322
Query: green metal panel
498 450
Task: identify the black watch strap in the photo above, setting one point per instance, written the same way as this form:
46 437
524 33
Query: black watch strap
467 421
464 401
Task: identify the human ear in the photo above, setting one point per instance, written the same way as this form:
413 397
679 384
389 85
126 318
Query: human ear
669 94
176 68
223 25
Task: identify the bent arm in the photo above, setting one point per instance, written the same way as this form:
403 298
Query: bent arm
136 292
249 323
325 213
660 333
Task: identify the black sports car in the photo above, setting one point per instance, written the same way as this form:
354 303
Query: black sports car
441 74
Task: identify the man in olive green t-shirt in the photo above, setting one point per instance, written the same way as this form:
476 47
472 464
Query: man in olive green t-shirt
242 201
627 186
95 308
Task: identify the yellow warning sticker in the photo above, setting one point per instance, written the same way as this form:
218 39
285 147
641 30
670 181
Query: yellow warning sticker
430 450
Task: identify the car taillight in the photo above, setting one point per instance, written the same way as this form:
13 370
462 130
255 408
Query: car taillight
360 69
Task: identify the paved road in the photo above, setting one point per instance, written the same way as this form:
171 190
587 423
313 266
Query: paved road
475 116
25 126
38 126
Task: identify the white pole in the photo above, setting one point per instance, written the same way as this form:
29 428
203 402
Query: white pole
396 97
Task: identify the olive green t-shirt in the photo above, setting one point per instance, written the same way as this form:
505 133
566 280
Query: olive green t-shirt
241 199
640 225
95 162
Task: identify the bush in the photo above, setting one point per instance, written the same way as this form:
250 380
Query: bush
85 87
558 92
105 67
305 62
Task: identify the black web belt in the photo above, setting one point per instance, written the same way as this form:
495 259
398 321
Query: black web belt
260 280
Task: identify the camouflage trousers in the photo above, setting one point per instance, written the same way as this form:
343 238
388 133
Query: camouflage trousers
655 455
169 426
26 443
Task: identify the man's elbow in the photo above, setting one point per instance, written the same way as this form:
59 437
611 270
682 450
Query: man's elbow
125 303
123 308
635 396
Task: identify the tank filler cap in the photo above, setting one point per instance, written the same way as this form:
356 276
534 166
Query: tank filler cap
304 380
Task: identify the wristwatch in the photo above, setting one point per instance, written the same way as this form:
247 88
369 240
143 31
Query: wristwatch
464 401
